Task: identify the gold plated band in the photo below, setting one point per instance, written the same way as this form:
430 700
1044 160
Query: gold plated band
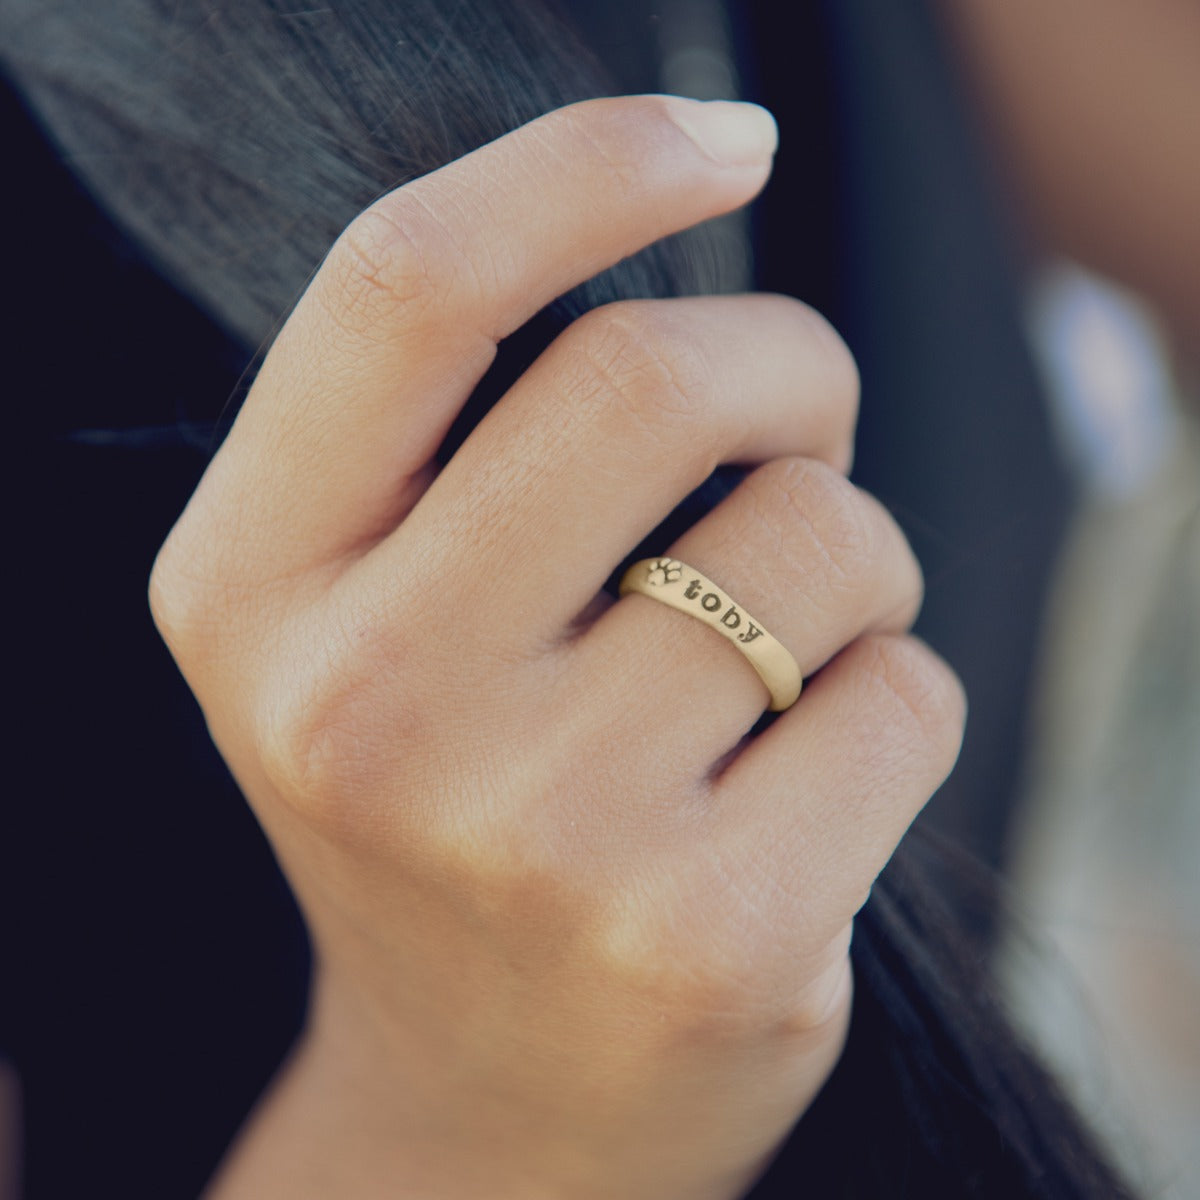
684 588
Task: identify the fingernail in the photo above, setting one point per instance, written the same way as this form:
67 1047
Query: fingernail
729 132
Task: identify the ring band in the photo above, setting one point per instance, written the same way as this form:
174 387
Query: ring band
684 588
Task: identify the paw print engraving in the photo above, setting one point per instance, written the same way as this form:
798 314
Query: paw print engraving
662 571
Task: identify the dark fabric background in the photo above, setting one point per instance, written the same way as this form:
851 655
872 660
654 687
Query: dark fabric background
152 966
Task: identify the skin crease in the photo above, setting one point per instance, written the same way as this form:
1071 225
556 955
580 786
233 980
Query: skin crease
574 933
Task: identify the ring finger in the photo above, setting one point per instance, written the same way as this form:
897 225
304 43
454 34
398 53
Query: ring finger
814 560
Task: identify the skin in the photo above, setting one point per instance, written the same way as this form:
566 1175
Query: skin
575 933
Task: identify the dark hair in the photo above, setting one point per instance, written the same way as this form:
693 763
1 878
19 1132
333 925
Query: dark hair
235 140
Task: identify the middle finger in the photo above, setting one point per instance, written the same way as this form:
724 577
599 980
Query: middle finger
624 415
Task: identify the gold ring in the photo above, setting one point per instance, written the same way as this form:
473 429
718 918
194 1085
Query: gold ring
684 588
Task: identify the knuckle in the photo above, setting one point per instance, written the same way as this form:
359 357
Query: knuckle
832 375
310 743
840 526
392 256
841 369
184 604
337 732
921 694
296 746
170 597
646 359
203 606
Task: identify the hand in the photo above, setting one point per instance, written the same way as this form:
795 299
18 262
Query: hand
575 933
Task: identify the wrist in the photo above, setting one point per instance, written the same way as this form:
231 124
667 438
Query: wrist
353 1114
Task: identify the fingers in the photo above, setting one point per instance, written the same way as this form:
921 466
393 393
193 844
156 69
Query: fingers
809 556
624 415
333 445
812 808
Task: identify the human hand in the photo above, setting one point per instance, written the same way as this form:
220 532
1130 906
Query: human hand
575 934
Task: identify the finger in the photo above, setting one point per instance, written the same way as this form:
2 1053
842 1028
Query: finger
334 443
804 553
624 415
809 812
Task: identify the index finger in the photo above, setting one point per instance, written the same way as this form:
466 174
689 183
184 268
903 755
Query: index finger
403 317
